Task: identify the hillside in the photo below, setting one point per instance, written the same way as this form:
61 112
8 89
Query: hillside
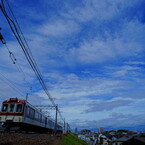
71 139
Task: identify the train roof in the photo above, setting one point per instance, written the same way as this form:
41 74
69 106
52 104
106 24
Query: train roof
14 100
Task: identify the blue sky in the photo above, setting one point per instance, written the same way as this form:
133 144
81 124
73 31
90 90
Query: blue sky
91 54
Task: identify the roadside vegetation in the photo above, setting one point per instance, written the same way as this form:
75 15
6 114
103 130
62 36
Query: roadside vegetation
71 139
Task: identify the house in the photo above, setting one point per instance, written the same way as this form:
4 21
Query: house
120 140
102 139
138 140
85 131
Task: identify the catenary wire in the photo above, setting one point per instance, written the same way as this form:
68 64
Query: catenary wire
14 60
27 54
7 81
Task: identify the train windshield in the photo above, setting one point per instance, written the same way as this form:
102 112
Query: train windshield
5 108
12 107
19 108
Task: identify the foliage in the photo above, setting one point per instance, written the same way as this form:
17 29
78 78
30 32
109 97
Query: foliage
122 130
71 139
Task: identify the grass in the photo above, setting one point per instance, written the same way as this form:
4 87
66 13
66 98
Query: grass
71 139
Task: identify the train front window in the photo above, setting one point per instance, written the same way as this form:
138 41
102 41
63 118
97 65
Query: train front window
5 108
19 108
12 107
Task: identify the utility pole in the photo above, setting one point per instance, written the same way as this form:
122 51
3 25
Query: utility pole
56 119
67 127
27 94
26 97
64 124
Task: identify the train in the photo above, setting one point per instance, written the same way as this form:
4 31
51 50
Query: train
20 115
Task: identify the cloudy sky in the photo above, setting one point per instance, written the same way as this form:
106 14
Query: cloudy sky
91 54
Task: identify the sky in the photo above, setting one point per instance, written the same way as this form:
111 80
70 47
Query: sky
91 54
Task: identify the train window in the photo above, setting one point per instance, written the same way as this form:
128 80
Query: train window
19 108
28 111
5 108
40 117
36 116
43 119
12 106
32 113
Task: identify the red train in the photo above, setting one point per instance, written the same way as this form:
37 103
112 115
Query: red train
22 116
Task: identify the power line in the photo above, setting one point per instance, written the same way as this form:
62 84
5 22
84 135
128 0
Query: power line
6 80
51 99
29 58
24 45
14 60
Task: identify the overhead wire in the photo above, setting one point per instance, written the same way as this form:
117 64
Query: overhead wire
8 82
24 45
27 47
14 60
12 56
21 32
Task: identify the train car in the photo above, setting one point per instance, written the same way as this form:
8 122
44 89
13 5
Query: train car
20 115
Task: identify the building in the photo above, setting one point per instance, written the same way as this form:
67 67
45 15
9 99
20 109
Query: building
103 140
85 131
120 140
101 130
76 130
138 140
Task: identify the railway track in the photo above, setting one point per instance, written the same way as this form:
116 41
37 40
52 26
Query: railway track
29 139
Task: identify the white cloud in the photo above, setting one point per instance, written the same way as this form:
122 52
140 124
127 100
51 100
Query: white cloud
72 86
107 105
123 71
122 121
125 44
59 28
119 115
135 63
98 10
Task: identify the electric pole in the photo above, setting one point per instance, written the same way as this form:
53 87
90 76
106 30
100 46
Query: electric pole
56 119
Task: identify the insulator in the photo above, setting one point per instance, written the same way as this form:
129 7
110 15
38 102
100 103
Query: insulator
2 39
